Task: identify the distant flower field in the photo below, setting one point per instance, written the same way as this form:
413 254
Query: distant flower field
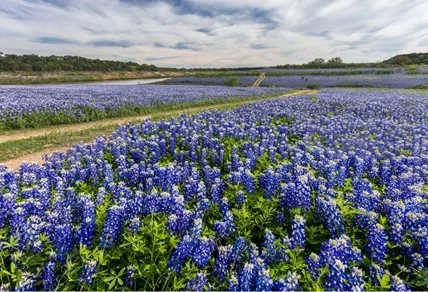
244 81
325 192
35 106
323 81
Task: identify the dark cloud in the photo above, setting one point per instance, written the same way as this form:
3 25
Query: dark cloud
108 43
54 40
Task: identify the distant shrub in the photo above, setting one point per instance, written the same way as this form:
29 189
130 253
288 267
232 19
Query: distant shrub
232 81
420 86
313 86
413 69
272 86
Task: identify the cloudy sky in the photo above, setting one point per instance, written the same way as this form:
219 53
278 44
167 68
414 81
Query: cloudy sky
215 33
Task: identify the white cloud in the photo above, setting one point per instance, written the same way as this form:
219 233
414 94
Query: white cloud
215 33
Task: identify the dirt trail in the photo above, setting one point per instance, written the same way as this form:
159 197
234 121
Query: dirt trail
37 156
259 80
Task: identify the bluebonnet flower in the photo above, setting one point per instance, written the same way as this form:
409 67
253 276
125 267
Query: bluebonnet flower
377 243
226 227
341 249
398 285
376 272
100 196
130 276
49 277
264 281
365 219
355 280
247 180
296 194
327 209
202 251
197 283
313 263
268 182
217 190
224 206
233 283
63 241
223 262
270 250
239 247
240 197
26 283
280 218
87 228
135 224
113 226
290 283
336 279
190 189
88 272
417 261
196 229
181 253
298 237
396 234
246 277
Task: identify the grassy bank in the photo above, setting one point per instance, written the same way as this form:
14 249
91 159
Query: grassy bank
21 78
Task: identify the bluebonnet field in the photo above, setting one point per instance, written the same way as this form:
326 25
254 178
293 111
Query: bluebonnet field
36 106
244 81
313 192
369 80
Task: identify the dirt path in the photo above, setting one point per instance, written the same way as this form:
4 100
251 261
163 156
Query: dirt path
259 80
38 156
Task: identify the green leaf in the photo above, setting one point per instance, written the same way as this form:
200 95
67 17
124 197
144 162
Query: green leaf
108 279
121 272
384 282
110 287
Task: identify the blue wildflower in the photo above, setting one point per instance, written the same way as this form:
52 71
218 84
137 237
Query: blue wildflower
88 272
377 243
298 237
113 226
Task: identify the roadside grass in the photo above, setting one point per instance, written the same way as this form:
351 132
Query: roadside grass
60 139
49 142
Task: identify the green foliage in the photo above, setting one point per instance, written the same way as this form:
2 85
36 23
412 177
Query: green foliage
413 69
408 59
313 86
335 60
35 63
420 86
232 81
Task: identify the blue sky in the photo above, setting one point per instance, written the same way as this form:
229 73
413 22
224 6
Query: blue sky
215 33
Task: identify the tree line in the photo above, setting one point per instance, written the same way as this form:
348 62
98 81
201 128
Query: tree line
35 63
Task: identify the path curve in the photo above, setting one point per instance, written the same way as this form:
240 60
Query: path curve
259 80
38 156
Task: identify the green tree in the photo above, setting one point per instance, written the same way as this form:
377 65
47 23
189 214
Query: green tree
233 81
317 61
335 60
